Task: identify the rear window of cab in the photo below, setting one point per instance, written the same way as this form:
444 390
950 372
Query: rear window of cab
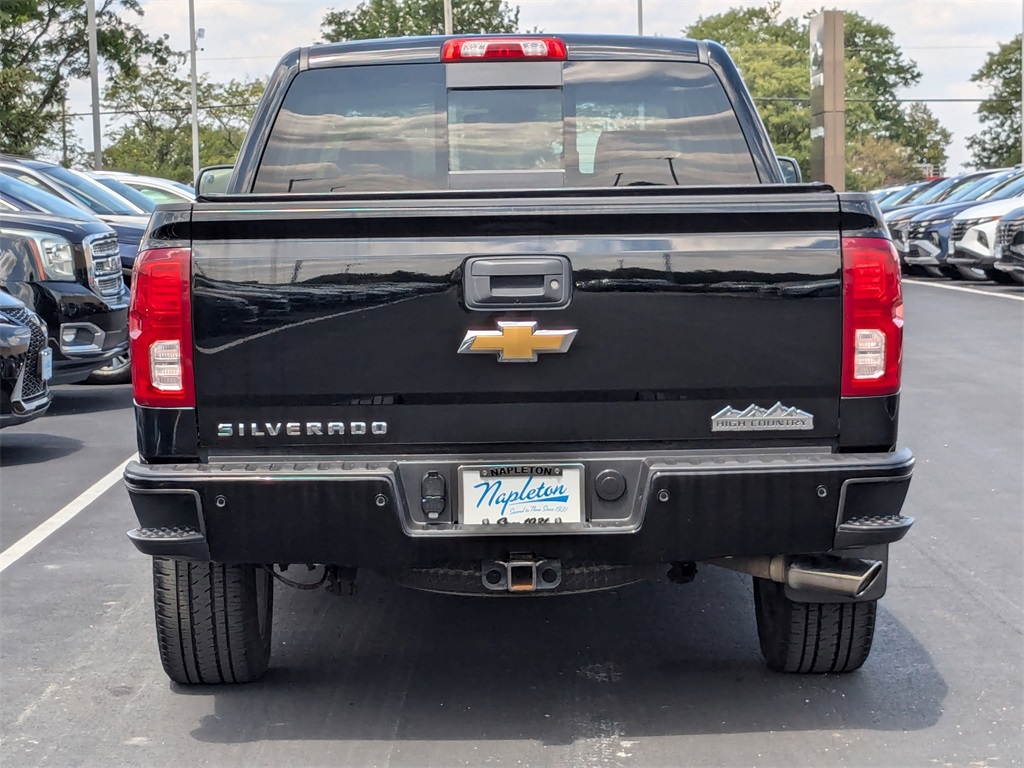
402 127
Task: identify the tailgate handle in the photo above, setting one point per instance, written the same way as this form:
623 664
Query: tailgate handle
514 282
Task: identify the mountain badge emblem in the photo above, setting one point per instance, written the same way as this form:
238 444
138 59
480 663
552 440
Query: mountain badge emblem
778 418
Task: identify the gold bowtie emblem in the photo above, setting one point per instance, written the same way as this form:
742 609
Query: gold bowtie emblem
516 342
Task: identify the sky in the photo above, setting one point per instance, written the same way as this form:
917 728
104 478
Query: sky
948 39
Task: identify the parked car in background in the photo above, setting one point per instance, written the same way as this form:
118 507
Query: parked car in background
157 189
20 196
68 271
881 194
1009 245
973 238
132 195
923 239
127 220
26 363
908 194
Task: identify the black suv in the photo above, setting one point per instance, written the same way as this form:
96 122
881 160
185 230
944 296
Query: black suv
69 273
26 363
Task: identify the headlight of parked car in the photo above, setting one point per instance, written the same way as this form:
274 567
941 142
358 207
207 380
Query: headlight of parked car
54 254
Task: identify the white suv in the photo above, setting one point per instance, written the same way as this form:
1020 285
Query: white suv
972 238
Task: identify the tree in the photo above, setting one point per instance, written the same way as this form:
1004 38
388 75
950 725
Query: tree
874 162
772 54
925 136
998 142
153 134
43 44
884 70
401 18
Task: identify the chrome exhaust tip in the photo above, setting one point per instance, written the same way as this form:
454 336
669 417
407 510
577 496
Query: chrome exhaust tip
850 577
847 576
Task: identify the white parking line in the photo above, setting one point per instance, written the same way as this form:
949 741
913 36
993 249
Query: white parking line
965 289
33 538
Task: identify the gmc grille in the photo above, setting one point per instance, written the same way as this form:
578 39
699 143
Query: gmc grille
106 261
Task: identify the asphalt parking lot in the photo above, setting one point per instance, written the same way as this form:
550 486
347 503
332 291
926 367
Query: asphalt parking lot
651 675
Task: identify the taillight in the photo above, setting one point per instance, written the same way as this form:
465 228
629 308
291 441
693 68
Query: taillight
160 329
872 318
482 48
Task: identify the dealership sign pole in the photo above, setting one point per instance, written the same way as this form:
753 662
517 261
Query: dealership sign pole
828 105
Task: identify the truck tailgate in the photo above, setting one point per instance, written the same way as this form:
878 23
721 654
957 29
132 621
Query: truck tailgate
319 321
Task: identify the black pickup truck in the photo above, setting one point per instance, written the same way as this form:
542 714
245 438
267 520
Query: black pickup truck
515 316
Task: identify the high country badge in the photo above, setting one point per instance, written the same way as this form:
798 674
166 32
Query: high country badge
779 418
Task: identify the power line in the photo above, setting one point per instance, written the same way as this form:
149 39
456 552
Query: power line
169 110
806 100
793 99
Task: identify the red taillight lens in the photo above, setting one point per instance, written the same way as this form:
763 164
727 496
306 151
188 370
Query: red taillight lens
483 48
160 329
872 318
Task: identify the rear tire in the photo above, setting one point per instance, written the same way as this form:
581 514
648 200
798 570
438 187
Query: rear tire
969 273
213 621
811 638
117 371
998 276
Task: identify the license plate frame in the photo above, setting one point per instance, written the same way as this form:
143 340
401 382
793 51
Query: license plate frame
538 496
46 364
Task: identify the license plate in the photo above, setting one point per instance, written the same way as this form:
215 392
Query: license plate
521 494
46 364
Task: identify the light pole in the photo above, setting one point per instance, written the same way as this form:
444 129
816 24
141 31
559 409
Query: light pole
94 75
194 38
447 17
639 17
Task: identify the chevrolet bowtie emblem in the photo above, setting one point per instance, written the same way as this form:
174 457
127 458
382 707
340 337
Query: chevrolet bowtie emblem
516 342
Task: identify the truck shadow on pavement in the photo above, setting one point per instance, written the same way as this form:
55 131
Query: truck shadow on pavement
648 660
79 398
20 448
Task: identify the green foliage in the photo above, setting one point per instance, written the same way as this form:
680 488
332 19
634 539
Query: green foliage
874 162
772 54
154 133
998 142
401 18
43 44
925 136
883 71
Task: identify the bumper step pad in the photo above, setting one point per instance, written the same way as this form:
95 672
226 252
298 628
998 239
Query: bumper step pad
183 542
875 529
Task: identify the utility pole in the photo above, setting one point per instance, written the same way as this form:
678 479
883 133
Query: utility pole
639 17
194 42
94 74
448 26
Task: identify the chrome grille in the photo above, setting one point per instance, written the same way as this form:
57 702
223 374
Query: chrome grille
1006 232
102 246
32 386
958 230
106 262
916 231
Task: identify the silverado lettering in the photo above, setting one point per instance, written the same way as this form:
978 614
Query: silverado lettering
297 429
604 221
